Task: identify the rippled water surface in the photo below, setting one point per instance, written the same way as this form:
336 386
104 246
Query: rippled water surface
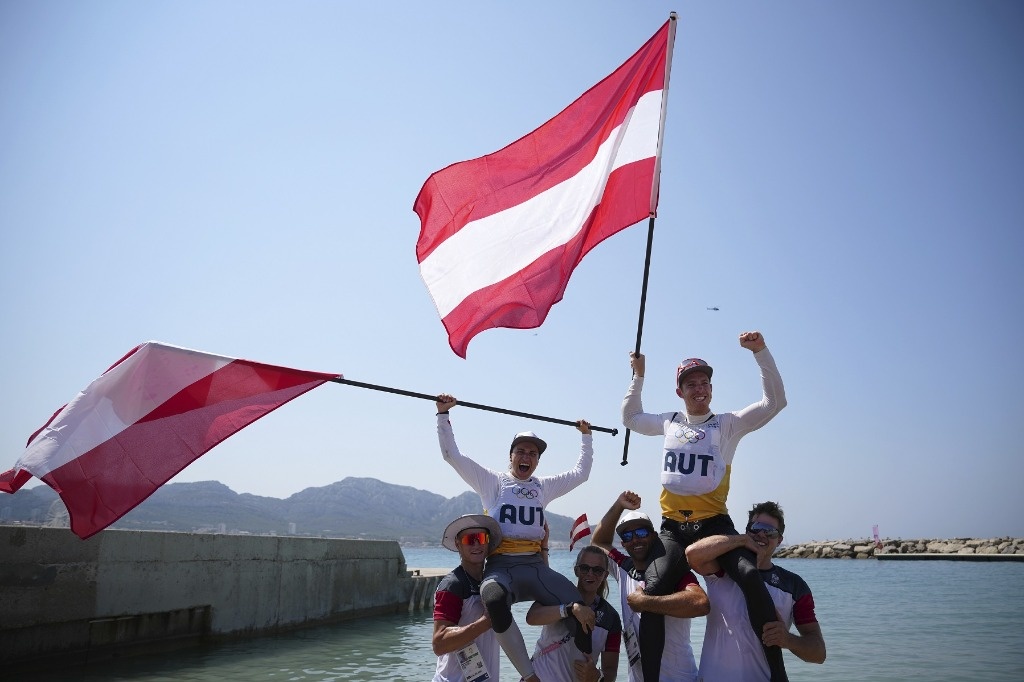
882 621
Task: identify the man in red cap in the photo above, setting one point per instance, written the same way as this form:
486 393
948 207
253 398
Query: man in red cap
517 569
696 465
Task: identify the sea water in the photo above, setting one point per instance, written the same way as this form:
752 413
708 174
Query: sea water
883 621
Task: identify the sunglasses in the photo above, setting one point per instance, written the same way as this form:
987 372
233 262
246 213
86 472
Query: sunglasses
638 533
587 568
763 529
478 538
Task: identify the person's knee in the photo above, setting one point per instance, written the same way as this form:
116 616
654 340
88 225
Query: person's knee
495 599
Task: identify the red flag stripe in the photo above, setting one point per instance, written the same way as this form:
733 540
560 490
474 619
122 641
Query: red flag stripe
102 485
54 415
562 147
541 222
501 235
513 302
133 387
147 418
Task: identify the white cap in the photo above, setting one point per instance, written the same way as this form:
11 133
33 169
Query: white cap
450 538
633 515
529 437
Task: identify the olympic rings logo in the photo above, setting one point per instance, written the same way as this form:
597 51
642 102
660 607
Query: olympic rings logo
689 435
526 493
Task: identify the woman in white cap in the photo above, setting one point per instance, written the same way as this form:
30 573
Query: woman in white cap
463 641
515 498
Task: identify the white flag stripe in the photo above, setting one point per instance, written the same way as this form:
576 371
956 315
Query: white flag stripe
505 243
115 401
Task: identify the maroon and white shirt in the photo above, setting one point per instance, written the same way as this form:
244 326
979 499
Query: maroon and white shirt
732 652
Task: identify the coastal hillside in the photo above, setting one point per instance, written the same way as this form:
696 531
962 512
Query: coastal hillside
351 508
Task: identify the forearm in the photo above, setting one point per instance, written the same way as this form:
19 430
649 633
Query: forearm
703 554
476 477
446 439
604 531
684 604
809 645
632 403
539 614
585 462
633 415
567 481
609 666
774 398
455 637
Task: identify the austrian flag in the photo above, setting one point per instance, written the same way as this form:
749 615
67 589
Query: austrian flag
501 234
153 413
580 530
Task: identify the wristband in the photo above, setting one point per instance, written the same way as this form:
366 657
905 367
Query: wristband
562 611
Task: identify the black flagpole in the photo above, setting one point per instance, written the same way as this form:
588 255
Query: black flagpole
654 200
640 322
427 396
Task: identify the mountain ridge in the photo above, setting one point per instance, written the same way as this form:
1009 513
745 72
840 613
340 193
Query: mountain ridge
361 508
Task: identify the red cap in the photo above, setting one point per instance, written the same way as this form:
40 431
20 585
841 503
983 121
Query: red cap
691 365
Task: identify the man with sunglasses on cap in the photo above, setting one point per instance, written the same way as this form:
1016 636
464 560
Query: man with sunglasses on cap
733 653
466 648
696 466
517 570
688 600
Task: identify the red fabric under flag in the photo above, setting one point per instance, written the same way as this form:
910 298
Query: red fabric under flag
150 415
580 530
501 234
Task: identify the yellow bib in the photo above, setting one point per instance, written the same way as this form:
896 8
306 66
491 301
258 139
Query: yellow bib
510 546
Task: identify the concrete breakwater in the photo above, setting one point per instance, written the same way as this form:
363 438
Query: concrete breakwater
77 600
868 549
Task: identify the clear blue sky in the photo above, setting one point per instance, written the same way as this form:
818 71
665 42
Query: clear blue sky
238 177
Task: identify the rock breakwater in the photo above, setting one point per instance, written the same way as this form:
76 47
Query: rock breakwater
868 549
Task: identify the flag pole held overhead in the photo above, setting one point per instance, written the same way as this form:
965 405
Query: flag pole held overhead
502 410
654 204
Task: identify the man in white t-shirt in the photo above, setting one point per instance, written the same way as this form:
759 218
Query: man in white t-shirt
688 600
732 651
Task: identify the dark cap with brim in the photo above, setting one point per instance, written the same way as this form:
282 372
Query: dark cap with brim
528 437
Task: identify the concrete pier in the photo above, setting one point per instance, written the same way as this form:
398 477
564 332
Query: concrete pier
130 590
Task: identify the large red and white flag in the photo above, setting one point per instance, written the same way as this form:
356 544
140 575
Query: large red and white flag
500 235
158 409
